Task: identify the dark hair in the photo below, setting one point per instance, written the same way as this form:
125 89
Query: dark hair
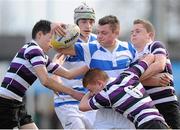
93 75
112 21
42 25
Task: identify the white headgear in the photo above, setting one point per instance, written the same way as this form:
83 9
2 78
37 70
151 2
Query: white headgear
83 12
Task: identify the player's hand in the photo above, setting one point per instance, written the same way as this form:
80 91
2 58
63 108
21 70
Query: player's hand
58 28
59 58
165 79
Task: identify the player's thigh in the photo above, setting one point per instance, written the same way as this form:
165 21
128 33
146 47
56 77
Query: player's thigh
67 112
8 114
75 123
29 126
110 119
91 116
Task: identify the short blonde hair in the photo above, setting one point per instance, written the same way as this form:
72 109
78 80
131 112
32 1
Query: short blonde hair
93 75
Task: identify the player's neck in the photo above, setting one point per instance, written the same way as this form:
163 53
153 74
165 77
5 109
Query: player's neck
140 47
84 38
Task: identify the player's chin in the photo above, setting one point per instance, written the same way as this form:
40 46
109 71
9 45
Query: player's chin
85 34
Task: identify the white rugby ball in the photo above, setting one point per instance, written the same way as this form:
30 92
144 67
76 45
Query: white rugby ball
72 35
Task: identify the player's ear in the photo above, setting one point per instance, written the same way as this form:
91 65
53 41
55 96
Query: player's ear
151 35
101 83
39 34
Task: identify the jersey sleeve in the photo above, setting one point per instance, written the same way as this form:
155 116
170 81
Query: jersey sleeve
35 56
139 68
52 67
158 47
99 100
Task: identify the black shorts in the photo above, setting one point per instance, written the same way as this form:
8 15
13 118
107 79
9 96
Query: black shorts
171 113
13 114
154 124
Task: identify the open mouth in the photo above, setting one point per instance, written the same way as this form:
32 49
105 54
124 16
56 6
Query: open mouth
87 31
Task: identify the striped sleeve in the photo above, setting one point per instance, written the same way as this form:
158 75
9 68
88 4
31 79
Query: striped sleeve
34 55
139 68
158 48
100 100
51 67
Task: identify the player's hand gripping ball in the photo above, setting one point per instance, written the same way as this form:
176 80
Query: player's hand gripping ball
72 35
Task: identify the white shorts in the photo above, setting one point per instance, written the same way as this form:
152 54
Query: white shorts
110 119
72 118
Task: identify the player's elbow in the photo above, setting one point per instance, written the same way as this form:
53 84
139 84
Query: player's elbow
45 81
81 108
84 107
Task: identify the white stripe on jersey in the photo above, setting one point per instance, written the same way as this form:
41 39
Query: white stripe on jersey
122 100
25 63
148 118
138 104
52 65
37 59
6 93
167 99
30 48
140 68
18 79
144 111
159 89
159 49
96 103
116 86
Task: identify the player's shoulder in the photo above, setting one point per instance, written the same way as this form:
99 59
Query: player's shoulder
125 44
156 44
32 48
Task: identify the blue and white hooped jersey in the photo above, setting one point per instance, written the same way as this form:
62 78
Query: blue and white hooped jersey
160 94
20 74
113 63
72 62
127 96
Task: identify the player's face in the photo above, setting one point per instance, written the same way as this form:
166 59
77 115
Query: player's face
86 26
96 87
105 36
139 35
45 40
91 88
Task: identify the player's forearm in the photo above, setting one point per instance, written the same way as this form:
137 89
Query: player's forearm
78 71
70 74
153 81
58 87
153 69
84 104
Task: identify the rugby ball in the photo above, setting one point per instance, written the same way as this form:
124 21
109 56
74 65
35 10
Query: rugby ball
72 35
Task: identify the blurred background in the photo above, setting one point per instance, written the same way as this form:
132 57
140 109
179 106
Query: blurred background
17 18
